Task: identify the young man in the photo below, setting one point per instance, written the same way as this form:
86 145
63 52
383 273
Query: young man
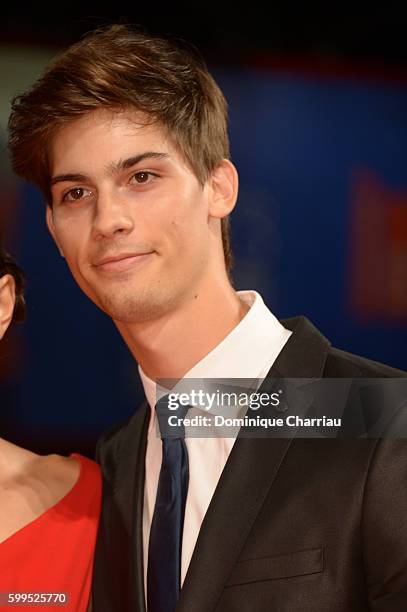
126 135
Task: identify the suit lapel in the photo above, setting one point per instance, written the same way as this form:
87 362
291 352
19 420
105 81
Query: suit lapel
236 502
118 570
305 353
138 498
130 496
246 481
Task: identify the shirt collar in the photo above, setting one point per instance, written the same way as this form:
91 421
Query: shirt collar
255 341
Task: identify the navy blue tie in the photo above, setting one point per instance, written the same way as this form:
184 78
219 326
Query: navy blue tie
164 550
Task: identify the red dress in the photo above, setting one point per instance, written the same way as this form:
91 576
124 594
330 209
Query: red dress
54 553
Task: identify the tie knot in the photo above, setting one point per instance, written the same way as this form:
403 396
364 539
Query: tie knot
170 418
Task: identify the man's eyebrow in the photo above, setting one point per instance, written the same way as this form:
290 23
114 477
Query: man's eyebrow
62 178
114 168
125 164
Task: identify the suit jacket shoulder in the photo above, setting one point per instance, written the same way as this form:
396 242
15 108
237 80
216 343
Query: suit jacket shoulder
115 441
309 354
347 365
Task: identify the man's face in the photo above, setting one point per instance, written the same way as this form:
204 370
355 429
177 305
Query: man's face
129 215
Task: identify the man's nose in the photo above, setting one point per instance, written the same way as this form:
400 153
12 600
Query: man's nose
112 216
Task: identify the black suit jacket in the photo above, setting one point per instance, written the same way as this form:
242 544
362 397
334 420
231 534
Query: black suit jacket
294 524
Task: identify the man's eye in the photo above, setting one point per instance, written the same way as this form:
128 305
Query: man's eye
75 194
142 177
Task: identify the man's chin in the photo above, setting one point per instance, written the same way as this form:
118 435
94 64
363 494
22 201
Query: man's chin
131 310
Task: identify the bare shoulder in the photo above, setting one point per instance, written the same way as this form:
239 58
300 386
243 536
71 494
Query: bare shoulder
55 472
30 484
20 465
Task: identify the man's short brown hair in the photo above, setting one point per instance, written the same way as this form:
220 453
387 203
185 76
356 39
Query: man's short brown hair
119 67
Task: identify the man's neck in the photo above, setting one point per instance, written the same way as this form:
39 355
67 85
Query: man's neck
170 346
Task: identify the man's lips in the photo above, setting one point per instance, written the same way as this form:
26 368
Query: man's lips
124 261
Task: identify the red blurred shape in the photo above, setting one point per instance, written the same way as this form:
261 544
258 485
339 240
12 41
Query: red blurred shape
378 248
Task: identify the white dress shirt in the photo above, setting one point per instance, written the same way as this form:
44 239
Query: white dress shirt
248 351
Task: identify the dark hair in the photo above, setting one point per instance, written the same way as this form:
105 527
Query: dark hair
118 67
9 266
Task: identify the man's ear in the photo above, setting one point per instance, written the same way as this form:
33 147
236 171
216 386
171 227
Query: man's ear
224 184
7 302
50 224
